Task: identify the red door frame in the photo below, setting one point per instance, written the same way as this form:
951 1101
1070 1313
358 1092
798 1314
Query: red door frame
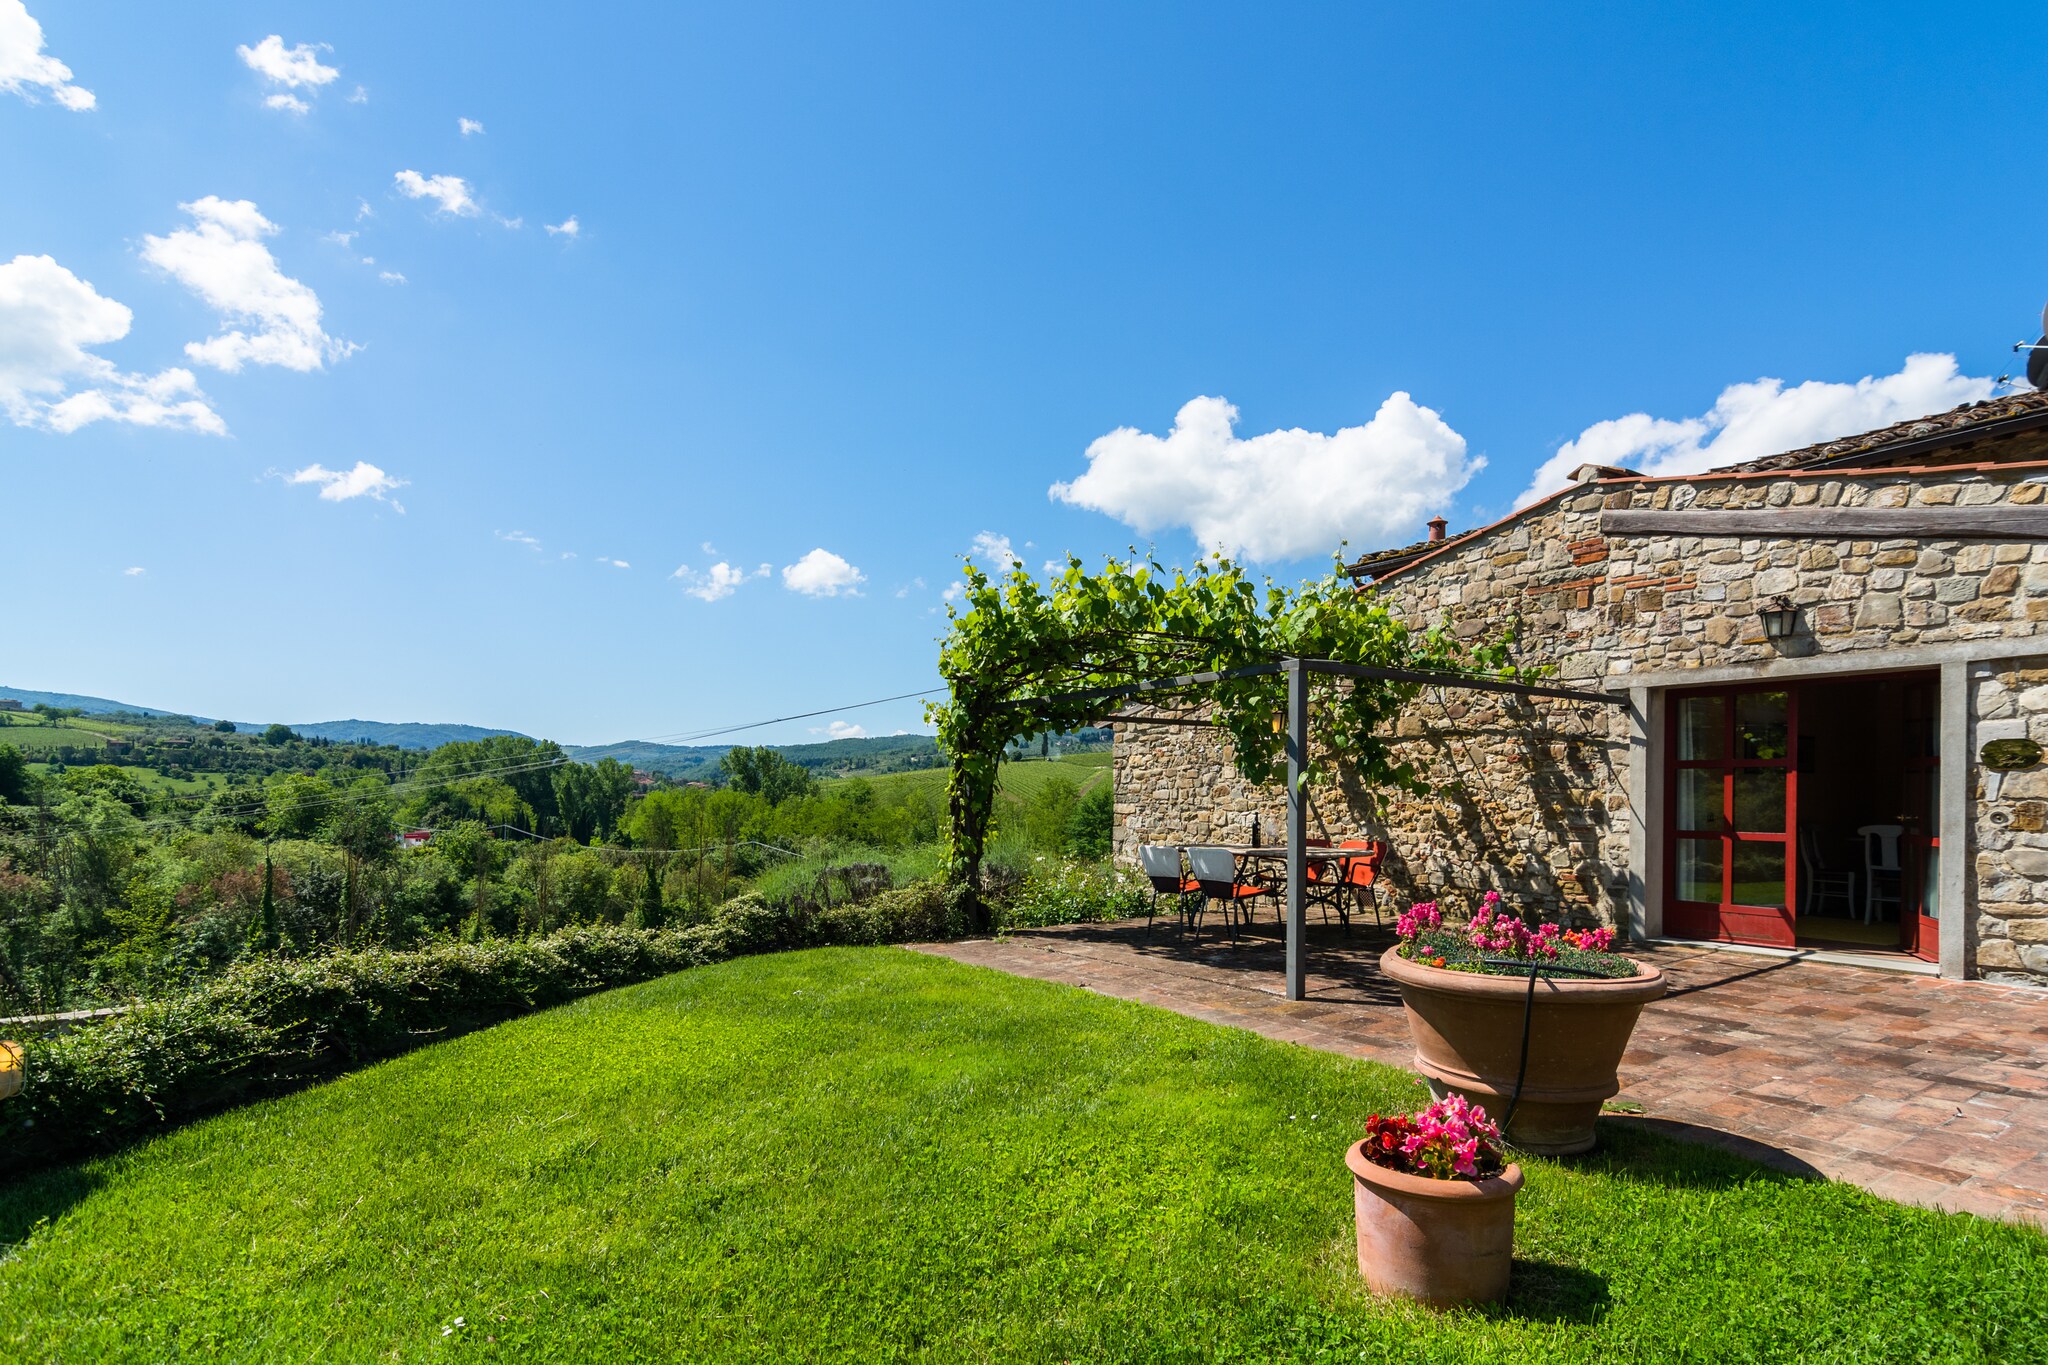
1919 933
1729 921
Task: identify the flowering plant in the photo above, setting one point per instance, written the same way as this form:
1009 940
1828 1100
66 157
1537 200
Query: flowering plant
1495 933
1452 1139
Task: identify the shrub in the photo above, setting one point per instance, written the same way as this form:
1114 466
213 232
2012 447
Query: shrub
1056 891
269 1024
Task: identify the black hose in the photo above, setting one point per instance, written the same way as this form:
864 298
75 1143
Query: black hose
1522 1067
1528 1017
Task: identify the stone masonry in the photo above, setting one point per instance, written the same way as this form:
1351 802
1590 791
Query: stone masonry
1531 797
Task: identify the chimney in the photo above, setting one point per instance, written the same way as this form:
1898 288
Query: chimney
1437 526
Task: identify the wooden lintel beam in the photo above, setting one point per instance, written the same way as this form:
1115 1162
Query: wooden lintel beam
1835 523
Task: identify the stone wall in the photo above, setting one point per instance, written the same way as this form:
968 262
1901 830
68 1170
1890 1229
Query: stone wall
1530 797
2009 860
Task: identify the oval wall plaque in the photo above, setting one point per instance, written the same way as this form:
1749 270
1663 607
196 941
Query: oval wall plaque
2007 755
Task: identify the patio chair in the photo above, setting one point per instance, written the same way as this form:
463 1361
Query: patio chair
1361 876
1322 883
1820 881
1161 864
1216 878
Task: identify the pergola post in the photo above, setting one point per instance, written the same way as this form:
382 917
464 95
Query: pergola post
1297 827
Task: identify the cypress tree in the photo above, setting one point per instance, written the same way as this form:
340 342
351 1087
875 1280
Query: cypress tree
650 898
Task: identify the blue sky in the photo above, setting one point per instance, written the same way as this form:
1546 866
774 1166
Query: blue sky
851 287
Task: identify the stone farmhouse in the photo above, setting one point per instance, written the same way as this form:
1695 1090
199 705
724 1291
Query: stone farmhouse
1836 667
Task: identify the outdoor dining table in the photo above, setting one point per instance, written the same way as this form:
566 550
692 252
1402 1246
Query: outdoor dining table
1247 854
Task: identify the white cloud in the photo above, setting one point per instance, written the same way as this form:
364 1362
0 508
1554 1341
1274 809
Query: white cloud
1762 417
823 574
719 581
363 210
568 227
450 193
297 68
468 126
518 538
25 68
359 96
1286 494
289 103
391 277
50 377
914 585
954 591
707 547
135 572
223 261
840 729
615 563
994 551
339 485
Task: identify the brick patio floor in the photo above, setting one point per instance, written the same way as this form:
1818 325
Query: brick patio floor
1922 1090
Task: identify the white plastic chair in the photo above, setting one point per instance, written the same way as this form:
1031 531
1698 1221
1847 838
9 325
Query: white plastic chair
1881 859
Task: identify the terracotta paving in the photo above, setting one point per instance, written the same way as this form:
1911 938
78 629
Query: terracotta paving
1922 1090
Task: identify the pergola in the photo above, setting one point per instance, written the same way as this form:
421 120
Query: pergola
1297 671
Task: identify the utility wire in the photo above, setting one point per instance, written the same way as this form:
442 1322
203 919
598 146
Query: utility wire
514 767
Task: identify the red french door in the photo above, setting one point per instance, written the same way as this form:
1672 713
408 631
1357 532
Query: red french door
1920 851
1732 807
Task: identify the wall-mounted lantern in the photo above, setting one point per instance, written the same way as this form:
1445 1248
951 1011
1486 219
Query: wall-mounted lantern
1779 617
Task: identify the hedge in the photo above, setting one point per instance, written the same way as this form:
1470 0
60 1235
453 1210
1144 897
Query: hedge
269 1025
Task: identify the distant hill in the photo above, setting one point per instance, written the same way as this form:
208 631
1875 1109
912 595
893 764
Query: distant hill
410 734
699 762
92 706
406 734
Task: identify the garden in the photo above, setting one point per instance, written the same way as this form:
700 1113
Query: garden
875 1154
634 1101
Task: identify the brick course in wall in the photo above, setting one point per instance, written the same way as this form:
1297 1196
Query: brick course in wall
1530 797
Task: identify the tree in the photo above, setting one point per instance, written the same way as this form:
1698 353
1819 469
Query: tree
525 765
295 806
1019 645
766 772
591 799
225 727
1048 810
275 735
14 777
1092 827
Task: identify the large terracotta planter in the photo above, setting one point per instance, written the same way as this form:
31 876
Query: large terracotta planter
1441 1241
1468 1039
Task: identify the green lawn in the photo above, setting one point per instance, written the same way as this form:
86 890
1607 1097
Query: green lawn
869 1154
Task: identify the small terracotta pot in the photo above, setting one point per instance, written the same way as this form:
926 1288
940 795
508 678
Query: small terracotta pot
1467 1029
1440 1241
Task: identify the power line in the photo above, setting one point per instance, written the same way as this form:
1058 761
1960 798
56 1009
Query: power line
513 767
684 737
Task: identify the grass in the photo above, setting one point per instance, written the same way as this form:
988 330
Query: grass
868 1154
43 738
1016 782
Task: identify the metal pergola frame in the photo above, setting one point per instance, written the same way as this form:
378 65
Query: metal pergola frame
1297 671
